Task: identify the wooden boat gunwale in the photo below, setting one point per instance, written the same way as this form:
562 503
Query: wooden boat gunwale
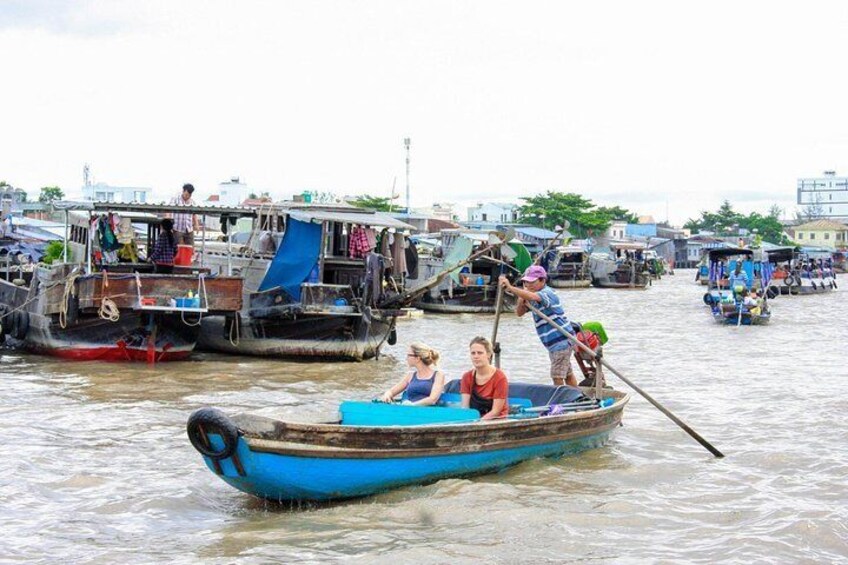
332 440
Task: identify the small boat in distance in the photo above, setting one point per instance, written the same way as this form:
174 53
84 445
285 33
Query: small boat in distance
795 273
726 304
374 447
624 266
474 288
569 268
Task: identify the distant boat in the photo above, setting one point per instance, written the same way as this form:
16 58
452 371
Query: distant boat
727 304
569 268
375 447
625 266
474 288
795 273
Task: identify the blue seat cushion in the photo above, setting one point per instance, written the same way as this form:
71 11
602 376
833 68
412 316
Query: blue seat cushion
536 395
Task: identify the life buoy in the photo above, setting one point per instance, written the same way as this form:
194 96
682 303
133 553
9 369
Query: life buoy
207 421
20 325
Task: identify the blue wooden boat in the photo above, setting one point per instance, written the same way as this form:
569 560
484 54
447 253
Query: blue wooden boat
374 447
725 303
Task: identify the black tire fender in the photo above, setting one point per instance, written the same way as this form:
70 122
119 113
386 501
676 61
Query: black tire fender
708 298
772 292
789 281
392 339
204 421
20 327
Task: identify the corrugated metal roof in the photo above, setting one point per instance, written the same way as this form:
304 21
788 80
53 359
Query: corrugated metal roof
822 225
539 233
353 216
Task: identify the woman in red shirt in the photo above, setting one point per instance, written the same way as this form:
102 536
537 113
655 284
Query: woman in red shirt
485 387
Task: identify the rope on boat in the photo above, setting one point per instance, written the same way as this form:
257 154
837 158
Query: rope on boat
235 325
201 292
109 310
66 296
39 294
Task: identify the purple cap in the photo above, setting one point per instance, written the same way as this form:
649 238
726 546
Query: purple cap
534 273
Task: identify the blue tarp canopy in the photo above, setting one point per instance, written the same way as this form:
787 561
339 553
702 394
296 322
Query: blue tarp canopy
295 258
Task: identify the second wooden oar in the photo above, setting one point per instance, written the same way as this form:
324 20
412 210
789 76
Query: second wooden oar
630 383
495 345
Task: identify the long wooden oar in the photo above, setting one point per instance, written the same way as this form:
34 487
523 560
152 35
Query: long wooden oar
495 344
629 383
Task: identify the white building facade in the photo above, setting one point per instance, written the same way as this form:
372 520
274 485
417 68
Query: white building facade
492 212
232 192
827 192
102 192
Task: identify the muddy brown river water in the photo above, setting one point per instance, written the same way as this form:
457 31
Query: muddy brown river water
96 466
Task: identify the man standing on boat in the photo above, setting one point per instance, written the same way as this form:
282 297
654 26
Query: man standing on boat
544 298
185 224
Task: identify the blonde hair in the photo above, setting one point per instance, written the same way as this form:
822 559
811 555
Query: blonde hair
427 354
487 345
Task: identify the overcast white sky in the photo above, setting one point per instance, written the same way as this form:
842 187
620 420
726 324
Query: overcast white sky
631 103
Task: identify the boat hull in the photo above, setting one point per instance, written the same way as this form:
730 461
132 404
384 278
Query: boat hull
806 289
471 302
609 284
133 337
344 338
286 478
746 319
569 283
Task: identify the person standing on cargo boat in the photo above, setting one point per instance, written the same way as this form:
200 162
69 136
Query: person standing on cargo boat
165 248
185 224
544 298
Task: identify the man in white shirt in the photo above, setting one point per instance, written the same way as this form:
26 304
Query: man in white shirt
185 224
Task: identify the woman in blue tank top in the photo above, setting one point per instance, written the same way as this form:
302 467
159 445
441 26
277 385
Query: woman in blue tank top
424 382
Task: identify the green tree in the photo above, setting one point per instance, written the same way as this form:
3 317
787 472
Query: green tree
722 220
618 213
50 193
585 219
372 202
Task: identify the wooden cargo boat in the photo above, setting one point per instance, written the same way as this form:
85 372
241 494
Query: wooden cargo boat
314 296
474 289
375 447
569 268
795 274
84 309
624 267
